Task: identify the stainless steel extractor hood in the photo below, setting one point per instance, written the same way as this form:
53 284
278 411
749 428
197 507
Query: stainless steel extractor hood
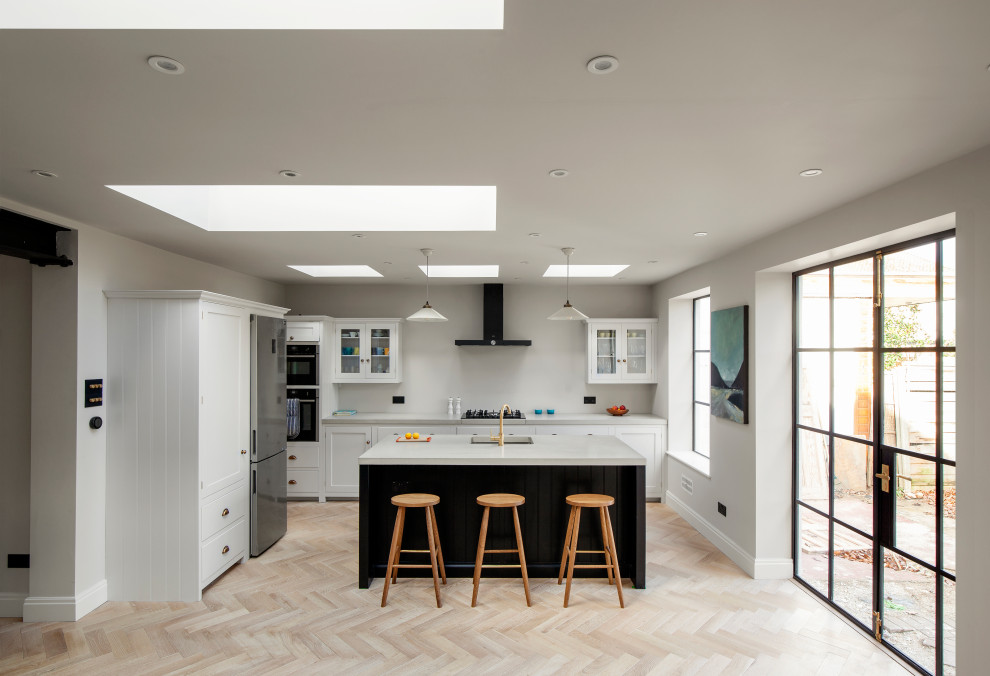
492 328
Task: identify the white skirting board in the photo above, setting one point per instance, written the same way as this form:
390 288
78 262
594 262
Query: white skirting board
65 608
759 569
11 604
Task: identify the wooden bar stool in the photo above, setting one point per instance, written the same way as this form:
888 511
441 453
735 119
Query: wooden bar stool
611 565
432 536
500 500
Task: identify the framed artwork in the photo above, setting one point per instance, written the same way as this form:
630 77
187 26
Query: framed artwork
730 364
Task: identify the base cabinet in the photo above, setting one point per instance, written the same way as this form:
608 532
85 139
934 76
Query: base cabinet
303 470
343 445
650 443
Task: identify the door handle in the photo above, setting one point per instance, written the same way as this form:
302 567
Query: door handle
884 477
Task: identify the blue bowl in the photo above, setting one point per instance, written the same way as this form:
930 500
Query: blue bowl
549 411
538 411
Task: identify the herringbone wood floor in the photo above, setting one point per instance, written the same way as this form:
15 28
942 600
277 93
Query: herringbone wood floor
297 609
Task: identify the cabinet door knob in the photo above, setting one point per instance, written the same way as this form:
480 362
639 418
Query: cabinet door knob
243 452
292 457
292 482
368 442
225 549
225 512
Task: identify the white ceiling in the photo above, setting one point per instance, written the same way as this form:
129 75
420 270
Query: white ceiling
714 110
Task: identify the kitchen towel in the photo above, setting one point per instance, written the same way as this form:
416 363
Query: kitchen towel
292 418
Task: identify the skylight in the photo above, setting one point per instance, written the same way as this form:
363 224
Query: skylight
309 208
585 270
461 270
239 15
337 270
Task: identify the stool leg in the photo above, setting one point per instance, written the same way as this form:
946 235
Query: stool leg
522 554
608 559
573 553
481 555
567 545
401 517
433 555
615 557
436 536
392 552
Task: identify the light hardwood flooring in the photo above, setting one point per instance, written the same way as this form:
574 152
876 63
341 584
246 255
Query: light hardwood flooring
297 609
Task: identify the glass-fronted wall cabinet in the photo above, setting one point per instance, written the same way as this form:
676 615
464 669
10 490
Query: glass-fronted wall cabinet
621 351
367 351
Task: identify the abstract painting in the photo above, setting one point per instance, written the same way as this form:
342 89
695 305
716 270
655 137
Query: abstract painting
730 364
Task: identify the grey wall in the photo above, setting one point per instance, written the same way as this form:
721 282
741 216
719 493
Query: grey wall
15 421
549 374
751 464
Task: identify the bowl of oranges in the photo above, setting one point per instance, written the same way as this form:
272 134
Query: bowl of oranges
618 409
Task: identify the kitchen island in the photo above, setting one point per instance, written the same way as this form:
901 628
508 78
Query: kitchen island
544 472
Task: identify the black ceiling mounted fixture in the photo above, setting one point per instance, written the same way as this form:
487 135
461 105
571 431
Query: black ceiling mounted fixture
25 237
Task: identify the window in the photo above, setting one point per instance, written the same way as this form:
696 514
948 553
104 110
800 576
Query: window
702 374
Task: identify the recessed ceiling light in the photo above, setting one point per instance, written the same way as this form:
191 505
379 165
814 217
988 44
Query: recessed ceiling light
701 234
167 65
535 234
602 65
324 208
337 270
808 173
524 262
44 173
559 173
386 262
461 270
652 261
289 173
585 270
358 235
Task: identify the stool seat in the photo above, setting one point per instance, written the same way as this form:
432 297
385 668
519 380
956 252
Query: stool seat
501 500
590 500
415 500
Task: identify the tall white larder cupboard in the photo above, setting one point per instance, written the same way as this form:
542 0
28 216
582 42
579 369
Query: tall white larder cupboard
178 430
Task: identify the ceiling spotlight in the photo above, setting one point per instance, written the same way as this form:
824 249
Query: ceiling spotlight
652 261
358 235
701 234
535 234
559 173
289 173
44 174
164 64
602 65
808 173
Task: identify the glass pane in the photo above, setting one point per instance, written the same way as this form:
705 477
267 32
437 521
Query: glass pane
703 323
909 401
813 317
702 414
909 609
381 346
812 563
813 469
949 405
813 401
914 507
702 376
605 345
350 350
852 587
949 518
635 351
853 406
948 627
853 484
909 298
949 292
854 304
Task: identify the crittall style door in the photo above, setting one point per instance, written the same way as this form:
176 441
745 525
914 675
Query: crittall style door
874 444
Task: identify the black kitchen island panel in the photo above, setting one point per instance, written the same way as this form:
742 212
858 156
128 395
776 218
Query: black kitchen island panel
543 518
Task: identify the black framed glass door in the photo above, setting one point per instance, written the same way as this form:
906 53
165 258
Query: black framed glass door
874 444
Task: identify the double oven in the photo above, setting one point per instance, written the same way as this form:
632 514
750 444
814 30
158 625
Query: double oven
302 370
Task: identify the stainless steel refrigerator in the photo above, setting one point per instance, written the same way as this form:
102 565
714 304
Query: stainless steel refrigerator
268 440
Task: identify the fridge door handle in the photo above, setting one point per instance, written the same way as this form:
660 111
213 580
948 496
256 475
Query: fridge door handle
254 482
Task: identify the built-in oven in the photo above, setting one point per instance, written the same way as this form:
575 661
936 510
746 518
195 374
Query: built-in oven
309 413
302 365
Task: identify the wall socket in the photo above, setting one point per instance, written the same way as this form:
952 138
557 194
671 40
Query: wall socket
590 400
398 399
687 484
721 509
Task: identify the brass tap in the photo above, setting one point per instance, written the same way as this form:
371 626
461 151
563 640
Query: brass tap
501 431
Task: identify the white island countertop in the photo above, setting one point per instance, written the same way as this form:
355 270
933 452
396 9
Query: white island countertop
372 418
452 449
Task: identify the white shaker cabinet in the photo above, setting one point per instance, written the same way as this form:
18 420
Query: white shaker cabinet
178 431
343 445
367 351
622 351
650 442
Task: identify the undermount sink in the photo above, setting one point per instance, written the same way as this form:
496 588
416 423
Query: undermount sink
507 440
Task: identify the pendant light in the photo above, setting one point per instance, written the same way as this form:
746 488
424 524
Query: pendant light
426 313
568 311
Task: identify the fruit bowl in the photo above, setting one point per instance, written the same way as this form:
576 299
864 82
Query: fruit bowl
615 410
